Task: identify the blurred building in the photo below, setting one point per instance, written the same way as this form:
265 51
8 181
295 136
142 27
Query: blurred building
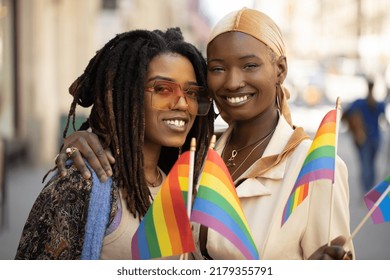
46 44
332 45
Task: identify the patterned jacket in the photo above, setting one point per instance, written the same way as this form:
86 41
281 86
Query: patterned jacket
55 227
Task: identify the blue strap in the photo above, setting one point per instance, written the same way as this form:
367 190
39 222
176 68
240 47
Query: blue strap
98 217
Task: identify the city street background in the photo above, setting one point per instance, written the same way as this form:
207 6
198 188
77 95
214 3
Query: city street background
333 47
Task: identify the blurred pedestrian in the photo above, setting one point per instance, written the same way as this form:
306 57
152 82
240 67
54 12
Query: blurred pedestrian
363 118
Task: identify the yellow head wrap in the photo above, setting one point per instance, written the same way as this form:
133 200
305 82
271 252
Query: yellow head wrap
254 23
264 29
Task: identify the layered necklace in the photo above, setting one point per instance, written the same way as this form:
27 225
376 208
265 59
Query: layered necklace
230 162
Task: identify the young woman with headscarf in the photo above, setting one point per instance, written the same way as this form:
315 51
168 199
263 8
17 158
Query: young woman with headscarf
262 149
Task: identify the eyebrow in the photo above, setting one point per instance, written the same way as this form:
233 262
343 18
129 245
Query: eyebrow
240 58
160 78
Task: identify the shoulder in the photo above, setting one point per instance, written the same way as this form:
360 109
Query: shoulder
303 147
356 104
55 226
71 183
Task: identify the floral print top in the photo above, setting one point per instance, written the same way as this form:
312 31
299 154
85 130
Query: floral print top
55 227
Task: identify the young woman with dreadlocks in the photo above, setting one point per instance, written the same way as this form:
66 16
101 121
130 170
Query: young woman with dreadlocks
262 149
148 98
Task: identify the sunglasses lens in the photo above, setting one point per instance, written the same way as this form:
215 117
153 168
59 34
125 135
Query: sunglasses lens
204 102
165 96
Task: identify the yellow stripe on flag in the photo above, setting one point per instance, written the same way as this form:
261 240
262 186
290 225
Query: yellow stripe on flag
161 228
212 182
328 139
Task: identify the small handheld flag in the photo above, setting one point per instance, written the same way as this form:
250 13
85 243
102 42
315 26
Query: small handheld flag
379 197
165 230
217 206
378 202
319 163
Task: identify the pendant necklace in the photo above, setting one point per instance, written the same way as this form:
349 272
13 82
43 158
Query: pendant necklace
230 162
156 182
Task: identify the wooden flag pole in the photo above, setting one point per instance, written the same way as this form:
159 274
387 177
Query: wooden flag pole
373 208
191 176
190 185
338 114
212 141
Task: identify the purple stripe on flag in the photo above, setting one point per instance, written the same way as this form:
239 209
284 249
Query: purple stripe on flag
316 175
370 199
215 224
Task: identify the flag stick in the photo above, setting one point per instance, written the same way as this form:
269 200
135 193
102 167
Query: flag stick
338 108
191 176
190 180
190 185
376 204
212 142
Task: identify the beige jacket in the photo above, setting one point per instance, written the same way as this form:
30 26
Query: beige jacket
263 198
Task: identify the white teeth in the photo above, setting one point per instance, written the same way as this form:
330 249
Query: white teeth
179 123
237 99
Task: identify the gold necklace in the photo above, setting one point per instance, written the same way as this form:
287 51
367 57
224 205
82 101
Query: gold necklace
230 162
265 138
156 182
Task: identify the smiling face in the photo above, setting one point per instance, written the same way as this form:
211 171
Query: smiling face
168 127
242 75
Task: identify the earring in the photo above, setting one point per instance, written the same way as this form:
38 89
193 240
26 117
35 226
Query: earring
277 101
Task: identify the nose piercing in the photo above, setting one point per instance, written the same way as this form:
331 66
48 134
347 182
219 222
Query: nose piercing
242 84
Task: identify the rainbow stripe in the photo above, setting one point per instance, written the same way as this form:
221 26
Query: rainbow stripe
319 163
217 206
165 230
382 213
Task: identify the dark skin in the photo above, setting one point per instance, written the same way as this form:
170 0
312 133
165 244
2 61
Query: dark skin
333 252
224 80
89 147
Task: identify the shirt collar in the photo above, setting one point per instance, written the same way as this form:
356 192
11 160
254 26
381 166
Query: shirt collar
271 165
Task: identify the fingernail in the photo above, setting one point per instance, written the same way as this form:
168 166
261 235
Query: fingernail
87 175
103 178
109 173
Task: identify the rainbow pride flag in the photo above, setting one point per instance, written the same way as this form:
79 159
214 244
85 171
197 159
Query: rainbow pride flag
319 163
165 230
382 213
217 206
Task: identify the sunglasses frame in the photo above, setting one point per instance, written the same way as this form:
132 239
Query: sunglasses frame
205 105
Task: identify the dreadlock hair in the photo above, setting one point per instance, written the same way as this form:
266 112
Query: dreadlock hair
113 84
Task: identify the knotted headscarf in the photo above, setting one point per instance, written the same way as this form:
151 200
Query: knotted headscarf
263 28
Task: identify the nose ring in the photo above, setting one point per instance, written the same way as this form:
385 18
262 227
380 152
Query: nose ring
242 84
